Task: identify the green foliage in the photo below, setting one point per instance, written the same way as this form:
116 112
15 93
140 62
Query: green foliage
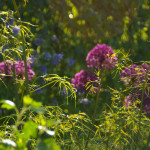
25 131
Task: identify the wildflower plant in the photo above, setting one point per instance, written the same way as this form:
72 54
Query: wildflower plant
15 65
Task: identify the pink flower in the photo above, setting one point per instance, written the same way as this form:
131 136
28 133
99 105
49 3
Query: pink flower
135 74
82 78
6 68
136 97
101 57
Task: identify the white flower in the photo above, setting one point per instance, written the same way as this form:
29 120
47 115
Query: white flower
50 132
9 142
10 103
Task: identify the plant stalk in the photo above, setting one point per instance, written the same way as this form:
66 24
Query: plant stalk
25 63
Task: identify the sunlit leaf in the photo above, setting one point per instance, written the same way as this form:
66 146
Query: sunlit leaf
7 104
29 130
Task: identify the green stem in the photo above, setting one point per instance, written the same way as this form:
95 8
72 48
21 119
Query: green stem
95 108
25 63
16 86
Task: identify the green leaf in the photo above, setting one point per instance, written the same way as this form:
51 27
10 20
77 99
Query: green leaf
48 144
36 104
27 100
7 104
29 130
39 110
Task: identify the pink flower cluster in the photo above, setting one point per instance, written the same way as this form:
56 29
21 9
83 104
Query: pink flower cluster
82 78
101 57
6 70
136 97
134 74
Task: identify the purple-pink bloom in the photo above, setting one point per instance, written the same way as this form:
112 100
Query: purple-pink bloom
82 78
135 74
101 57
136 97
145 66
6 68
2 67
